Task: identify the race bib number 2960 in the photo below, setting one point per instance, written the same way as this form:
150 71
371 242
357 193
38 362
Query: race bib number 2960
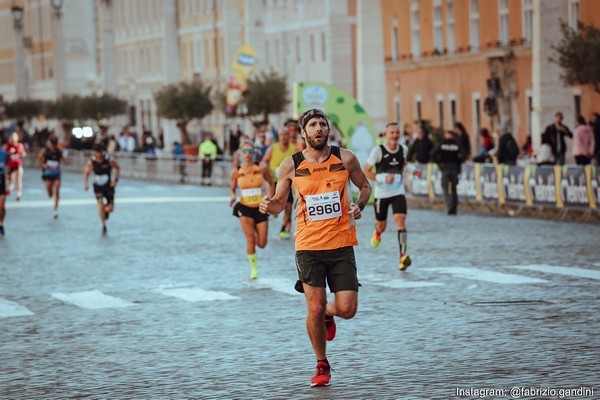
324 206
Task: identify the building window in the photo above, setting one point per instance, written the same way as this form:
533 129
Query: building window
450 26
395 39
277 60
267 53
440 111
398 109
452 110
198 53
323 47
574 14
312 48
415 28
528 20
476 116
438 26
418 108
474 24
298 52
529 111
577 104
503 13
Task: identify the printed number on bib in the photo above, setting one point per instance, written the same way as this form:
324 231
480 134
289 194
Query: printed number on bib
101 179
251 196
324 206
15 157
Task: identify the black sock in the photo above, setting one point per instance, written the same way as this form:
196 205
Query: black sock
325 361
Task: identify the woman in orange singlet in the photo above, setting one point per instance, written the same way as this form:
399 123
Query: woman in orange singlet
253 182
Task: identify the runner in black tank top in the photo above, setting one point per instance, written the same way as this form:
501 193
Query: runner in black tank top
104 182
50 159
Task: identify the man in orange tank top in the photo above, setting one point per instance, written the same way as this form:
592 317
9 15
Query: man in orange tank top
325 229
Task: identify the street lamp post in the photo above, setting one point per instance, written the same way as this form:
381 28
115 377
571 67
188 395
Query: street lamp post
59 56
21 84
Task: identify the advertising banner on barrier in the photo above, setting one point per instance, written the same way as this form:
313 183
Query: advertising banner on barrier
466 182
592 175
418 186
540 185
487 182
512 184
435 182
573 187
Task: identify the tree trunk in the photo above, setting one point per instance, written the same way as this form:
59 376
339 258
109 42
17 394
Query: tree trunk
185 139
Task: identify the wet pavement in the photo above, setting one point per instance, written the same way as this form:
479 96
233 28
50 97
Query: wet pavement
162 308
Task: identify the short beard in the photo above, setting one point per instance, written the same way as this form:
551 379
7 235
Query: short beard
318 146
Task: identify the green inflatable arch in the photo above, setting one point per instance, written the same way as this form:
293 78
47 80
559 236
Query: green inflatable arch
355 125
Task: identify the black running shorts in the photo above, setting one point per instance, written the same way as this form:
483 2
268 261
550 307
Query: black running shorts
240 210
381 206
51 178
105 192
336 267
2 185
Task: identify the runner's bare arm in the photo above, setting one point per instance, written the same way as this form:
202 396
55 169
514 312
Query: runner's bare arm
233 187
40 158
368 170
86 174
117 168
358 177
267 157
276 204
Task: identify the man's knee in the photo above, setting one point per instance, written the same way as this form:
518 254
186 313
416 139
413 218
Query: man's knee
346 311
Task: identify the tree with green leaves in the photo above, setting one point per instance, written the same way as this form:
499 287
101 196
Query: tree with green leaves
183 102
578 55
266 94
100 108
23 109
65 109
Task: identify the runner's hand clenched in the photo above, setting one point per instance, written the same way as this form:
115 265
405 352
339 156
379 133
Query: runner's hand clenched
264 204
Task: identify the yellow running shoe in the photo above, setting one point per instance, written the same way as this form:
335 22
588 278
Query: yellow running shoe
404 262
253 275
375 239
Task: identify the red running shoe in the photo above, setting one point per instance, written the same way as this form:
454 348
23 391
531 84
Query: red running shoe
322 376
330 325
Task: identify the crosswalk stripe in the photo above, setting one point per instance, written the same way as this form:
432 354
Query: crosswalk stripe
126 200
196 294
92 299
550 269
486 275
11 309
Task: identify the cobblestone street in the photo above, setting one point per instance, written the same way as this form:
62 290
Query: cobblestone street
162 307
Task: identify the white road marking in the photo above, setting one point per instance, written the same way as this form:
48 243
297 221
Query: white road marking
126 200
569 271
93 299
277 284
486 275
11 309
196 294
403 284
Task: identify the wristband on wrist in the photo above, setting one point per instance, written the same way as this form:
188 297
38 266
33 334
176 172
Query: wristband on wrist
360 206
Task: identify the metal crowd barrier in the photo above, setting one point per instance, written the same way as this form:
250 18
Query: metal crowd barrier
568 187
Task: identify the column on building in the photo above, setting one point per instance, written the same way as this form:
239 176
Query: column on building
549 94
371 89
108 47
